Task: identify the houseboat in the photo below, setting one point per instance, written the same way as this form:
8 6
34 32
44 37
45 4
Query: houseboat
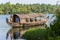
27 20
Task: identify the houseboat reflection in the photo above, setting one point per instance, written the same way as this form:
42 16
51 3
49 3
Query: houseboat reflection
22 22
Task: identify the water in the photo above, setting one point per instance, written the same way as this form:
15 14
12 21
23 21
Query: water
50 20
4 27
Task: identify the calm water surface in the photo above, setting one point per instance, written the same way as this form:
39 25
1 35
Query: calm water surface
4 27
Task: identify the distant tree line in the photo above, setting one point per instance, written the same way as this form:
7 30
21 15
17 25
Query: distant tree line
9 8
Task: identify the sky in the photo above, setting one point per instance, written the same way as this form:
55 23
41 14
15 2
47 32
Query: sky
30 1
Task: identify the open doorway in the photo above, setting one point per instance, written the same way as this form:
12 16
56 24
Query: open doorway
16 18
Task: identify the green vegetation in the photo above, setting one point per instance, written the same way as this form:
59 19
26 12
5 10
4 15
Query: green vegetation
55 27
26 8
39 34
36 34
52 33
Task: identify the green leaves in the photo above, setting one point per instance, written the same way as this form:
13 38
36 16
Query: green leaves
56 25
25 8
36 34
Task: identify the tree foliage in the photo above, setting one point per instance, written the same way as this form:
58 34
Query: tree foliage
56 25
25 8
36 34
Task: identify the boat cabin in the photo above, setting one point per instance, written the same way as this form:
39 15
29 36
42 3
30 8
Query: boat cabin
27 19
21 22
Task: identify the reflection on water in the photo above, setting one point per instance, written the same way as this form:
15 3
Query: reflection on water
3 26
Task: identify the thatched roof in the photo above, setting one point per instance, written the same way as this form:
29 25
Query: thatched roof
31 15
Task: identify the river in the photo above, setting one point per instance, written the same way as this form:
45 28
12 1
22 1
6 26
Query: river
4 27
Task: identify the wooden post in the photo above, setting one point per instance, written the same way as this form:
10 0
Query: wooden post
7 20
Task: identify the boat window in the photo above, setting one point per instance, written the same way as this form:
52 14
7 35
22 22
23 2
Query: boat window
35 19
27 20
31 20
38 18
16 19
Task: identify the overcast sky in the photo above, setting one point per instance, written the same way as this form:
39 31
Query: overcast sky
30 1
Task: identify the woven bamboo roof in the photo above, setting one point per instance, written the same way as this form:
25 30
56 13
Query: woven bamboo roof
30 15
